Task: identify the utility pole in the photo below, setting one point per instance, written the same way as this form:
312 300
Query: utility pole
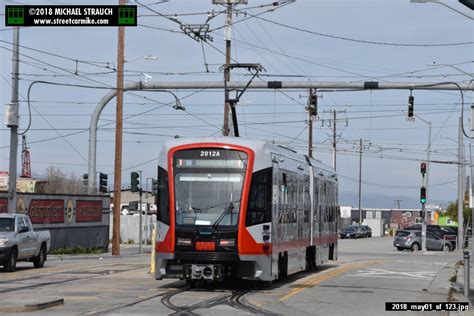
312 112
12 118
360 147
118 140
333 124
398 202
228 39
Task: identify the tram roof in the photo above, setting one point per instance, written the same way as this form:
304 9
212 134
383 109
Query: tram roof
258 146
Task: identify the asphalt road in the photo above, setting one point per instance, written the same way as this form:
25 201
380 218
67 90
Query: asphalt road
368 273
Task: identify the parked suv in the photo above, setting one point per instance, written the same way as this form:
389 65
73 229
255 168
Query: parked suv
407 239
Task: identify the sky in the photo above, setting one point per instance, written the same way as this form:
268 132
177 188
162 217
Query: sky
307 40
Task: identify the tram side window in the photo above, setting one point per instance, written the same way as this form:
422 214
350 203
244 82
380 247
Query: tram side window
163 214
260 199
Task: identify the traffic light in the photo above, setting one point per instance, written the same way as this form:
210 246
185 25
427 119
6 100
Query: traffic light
423 195
154 185
85 179
313 105
468 3
135 181
423 168
102 183
411 104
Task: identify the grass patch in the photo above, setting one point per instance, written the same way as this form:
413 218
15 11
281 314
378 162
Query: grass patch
77 251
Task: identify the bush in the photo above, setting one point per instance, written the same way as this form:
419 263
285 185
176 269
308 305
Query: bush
77 251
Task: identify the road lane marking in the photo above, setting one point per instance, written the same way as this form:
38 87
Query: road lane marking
81 297
372 272
327 275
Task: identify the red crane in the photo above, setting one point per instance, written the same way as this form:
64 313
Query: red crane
25 159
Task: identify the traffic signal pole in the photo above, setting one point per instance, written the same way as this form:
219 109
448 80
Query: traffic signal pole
424 184
423 207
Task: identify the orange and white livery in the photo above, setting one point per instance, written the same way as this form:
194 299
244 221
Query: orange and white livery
242 208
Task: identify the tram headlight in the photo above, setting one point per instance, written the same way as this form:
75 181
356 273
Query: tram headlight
184 242
227 243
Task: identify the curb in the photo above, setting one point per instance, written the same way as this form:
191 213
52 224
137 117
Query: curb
31 307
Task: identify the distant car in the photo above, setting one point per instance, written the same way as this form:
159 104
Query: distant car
428 227
450 230
368 231
411 239
349 232
443 232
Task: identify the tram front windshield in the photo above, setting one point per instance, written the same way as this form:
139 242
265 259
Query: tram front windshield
208 186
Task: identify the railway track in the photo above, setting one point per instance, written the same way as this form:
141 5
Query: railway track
235 299
70 275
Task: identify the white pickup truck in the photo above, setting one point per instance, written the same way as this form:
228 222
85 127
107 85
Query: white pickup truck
19 242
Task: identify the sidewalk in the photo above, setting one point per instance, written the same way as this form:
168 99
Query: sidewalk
458 296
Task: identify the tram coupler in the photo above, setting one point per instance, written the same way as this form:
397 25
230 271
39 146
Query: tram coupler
206 272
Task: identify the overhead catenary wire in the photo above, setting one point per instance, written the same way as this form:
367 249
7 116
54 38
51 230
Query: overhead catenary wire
427 45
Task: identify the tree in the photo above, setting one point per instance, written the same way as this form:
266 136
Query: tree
58 182
452 211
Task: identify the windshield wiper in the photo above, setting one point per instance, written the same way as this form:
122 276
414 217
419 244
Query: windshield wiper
229 209
195 209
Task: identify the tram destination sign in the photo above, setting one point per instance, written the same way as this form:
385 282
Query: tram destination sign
70 15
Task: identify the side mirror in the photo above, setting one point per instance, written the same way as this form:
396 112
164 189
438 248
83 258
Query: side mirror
23 229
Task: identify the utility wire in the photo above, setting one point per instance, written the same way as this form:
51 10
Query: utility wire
359 40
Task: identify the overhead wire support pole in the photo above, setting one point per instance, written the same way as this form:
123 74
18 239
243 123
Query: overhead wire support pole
118 140
460 187
312 112
14 110
342 85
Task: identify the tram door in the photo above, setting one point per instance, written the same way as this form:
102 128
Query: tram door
317 209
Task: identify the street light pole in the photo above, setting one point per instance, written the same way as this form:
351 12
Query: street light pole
460 187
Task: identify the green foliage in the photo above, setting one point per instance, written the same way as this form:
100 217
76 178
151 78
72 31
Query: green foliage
452 211
77 251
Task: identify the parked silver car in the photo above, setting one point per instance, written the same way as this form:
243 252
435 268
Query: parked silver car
406 239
